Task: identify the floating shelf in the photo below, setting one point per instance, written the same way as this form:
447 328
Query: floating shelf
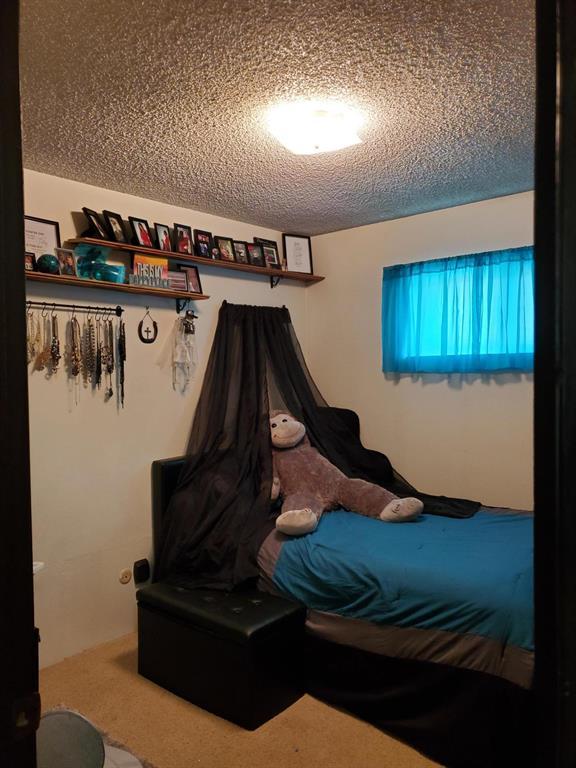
78 282
219 263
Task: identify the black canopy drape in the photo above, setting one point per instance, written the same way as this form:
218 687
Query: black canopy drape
221 512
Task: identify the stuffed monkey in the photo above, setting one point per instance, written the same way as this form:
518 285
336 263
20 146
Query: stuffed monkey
310 484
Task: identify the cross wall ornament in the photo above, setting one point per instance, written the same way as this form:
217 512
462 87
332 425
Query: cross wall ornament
147 334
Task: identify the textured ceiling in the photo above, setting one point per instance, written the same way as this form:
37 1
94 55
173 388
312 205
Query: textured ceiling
165 99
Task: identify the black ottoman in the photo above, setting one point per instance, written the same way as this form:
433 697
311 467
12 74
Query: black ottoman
237 655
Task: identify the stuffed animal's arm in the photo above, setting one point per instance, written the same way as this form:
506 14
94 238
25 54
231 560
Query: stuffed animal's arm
275 490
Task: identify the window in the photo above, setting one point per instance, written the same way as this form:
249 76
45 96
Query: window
463 314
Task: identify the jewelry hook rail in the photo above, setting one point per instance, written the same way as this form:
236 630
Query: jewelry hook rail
51 305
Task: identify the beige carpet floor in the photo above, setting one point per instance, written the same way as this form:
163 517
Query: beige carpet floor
103 684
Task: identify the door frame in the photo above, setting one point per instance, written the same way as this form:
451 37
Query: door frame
555 382
19 700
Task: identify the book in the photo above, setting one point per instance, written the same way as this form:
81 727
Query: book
150 266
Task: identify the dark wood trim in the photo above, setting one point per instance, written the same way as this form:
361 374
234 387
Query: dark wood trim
78 282
18 641
555 383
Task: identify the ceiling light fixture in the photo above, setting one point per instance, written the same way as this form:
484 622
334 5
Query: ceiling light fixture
311 127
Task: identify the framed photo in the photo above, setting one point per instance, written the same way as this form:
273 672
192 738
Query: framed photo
115 226
298 253
182 239
255 254
271 257
67 261
141 231
177 280
241 251
225 248
163 238
96 225
270 251
29 262
263 241
203 243
193 276
41 236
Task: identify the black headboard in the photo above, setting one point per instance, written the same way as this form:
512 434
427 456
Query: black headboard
165 473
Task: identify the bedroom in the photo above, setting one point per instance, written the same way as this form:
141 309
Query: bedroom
155 121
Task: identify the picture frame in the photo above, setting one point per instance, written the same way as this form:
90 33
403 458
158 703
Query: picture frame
141 232
298 253
177 280
241 251
225 248
96 227
270 252
193 278
163 238
41 236
203 243
264 241
115 226
271 258
182 239
255 254
29 261
66 261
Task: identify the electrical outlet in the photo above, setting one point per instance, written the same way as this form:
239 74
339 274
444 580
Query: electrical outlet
125 576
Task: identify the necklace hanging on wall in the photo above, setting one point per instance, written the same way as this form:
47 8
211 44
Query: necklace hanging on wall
44 352
121 358
88 350
108 356
33 337
74 354
147 334
29 335
54 343
97 378
37 337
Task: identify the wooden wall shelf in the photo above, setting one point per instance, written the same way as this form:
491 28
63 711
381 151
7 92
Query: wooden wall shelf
301 277
78 282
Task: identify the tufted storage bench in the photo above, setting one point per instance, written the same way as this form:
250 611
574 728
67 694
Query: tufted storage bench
235 655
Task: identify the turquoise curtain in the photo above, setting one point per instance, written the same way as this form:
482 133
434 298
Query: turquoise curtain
462 314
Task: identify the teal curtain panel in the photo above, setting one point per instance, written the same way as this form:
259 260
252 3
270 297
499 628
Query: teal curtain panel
463 314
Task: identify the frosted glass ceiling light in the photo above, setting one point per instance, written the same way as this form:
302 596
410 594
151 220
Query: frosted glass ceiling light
310 127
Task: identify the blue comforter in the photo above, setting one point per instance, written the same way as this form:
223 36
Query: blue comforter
470 576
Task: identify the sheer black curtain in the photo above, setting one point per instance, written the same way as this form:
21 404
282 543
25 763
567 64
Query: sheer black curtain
221 510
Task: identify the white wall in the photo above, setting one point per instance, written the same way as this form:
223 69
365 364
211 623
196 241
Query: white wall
90 462
470 437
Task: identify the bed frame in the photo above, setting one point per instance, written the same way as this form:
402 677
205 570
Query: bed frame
460 718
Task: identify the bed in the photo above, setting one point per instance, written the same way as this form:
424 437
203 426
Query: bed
442 590
423 629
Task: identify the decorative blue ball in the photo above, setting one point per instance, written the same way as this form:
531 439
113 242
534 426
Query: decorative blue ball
48 263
